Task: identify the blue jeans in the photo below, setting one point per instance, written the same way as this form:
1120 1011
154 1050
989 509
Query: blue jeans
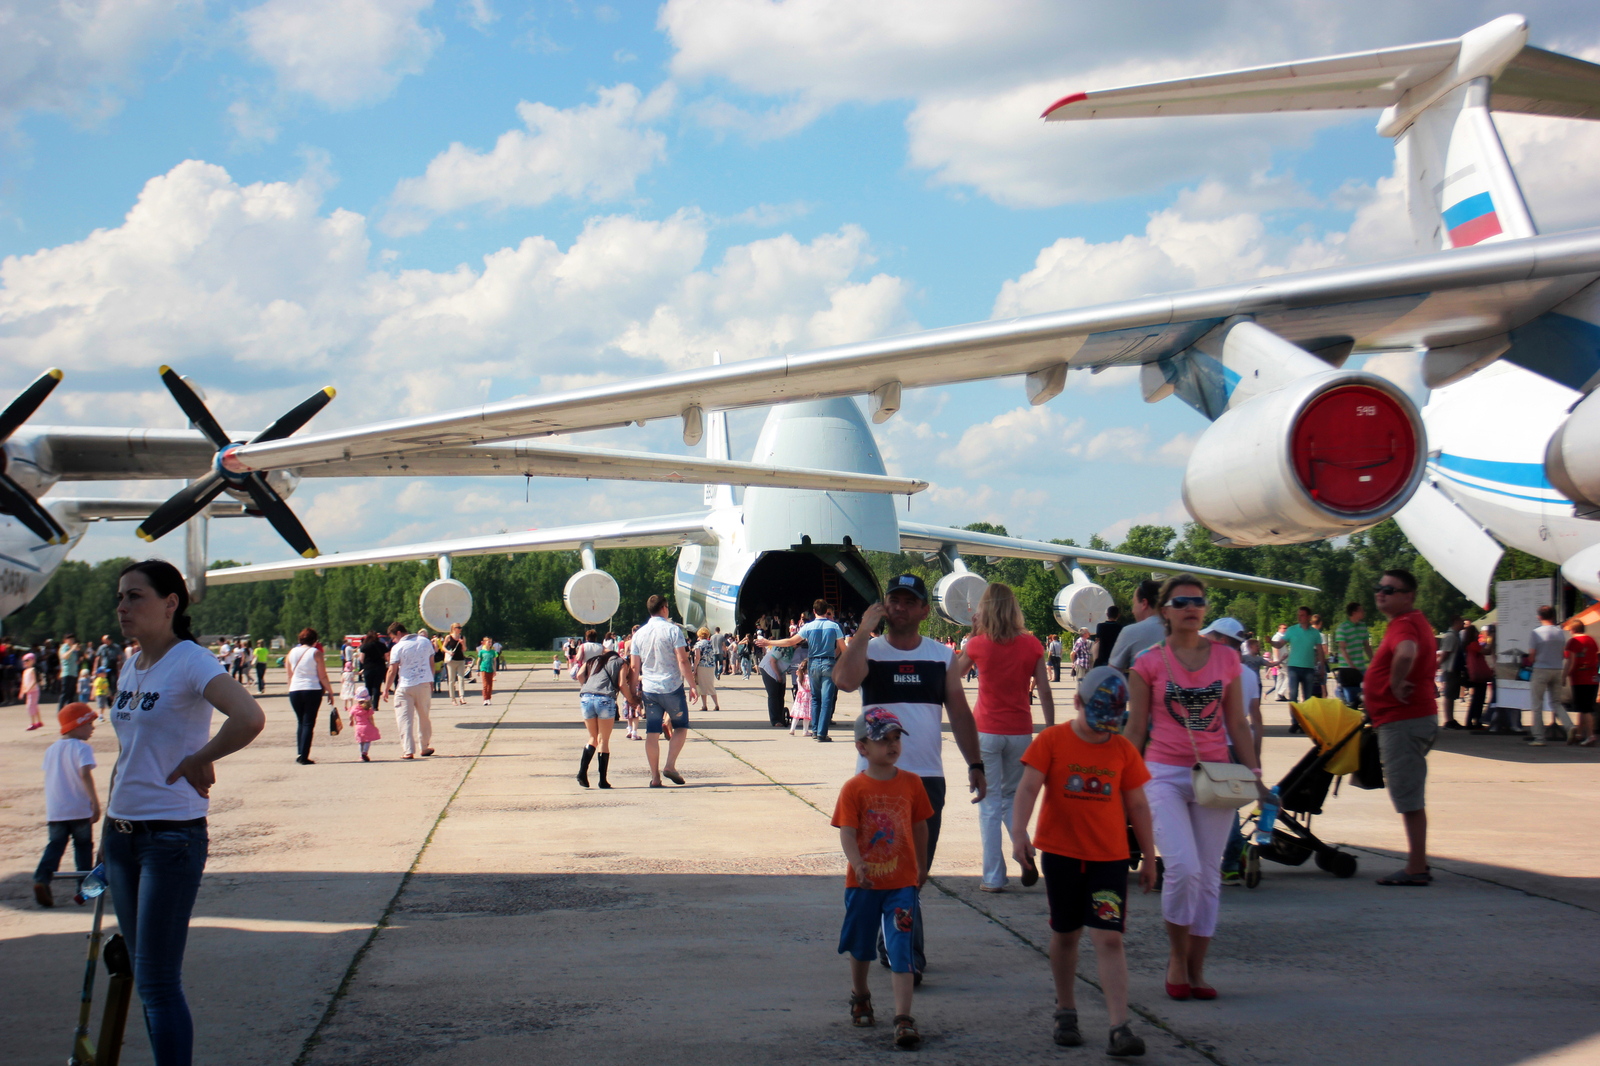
823 696
1233 851
1302 683
1351 695
154 880
81 832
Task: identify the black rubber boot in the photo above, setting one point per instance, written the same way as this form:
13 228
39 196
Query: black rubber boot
583 766
605 760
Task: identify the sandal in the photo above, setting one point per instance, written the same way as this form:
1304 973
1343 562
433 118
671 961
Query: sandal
905 1031
673 776
1404 880
861 1011
1066 1032
1123 1042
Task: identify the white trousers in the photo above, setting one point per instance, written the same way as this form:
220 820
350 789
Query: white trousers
1002 768
411 706
456 671
1190 839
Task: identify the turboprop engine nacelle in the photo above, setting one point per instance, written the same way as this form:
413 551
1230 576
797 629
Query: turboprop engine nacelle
1572 458
955 596
591 596
444 603
1325 455
1079 606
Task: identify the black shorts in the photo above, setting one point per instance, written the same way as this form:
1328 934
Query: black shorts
1583 698
1082 893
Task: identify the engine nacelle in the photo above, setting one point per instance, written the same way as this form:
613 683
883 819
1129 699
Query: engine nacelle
445 603
1326 455
591 596
956 596
1572 458
1080 607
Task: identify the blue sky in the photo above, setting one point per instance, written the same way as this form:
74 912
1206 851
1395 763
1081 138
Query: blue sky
428 204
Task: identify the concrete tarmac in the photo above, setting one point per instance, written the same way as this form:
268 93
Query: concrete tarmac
480 904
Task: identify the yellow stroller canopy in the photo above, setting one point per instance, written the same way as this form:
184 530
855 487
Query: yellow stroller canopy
1327 721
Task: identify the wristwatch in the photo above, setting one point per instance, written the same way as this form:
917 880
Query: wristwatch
978 766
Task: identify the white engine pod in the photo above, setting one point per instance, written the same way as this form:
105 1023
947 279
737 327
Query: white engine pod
1572 458
591 596
445 603
956 596
1081 606
1327 454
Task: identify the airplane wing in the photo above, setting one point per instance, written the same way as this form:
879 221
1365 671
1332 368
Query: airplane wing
96 509
915 536
101 453
655 532
1435 300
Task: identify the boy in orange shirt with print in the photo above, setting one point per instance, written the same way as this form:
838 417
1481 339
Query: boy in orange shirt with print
882 816
1093 783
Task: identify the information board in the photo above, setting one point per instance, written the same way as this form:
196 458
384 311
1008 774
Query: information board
1517 606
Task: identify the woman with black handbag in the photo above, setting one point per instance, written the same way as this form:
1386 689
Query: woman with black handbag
1187 701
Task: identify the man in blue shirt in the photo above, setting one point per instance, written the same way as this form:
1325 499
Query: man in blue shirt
824 642
1306 655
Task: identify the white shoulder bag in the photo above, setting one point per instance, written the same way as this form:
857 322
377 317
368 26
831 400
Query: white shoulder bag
1224 785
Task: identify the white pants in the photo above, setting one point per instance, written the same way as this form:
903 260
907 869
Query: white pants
1002 768
411 706
1546 680
1190 839
456 671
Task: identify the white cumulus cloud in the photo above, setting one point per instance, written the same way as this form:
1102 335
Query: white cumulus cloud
344 53
594 152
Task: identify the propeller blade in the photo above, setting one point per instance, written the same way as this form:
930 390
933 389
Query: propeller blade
271 505
22 408
296 418
19 503
182 506
195 408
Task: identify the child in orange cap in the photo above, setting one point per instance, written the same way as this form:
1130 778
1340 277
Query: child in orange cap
71 805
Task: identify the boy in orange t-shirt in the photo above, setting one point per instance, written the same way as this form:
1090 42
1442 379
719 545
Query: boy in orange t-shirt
882 816
1093 782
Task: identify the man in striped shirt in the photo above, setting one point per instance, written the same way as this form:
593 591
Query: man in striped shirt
1351 639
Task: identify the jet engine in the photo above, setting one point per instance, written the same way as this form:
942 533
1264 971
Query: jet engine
1079 606
956 596
1328 454
1572 458
444 603
591 596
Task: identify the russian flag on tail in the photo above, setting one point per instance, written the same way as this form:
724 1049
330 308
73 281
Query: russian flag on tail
1471 221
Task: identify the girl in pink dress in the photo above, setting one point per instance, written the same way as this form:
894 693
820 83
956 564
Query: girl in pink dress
361 721
800 718
30 691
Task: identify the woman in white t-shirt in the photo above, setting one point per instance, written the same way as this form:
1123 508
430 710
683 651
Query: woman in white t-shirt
308 683
155 841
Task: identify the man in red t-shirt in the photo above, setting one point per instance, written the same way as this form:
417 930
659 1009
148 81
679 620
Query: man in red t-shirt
1581 670
1401 696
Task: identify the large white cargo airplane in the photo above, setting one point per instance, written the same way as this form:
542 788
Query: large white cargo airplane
1300 448
36 535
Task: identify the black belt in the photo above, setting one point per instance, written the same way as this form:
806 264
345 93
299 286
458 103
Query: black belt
124 825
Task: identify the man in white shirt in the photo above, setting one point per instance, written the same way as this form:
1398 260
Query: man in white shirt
659 657
1147 630
1052 652
1546 648
410 681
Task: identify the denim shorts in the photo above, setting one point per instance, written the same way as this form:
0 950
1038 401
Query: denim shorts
674 706
597 706
868 911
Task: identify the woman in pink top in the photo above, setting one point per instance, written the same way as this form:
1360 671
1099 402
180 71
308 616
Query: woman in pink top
1009 660
1185 699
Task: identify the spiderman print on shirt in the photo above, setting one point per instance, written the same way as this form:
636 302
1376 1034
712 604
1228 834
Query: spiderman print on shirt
1188 706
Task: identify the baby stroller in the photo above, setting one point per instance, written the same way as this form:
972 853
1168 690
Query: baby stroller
1334 730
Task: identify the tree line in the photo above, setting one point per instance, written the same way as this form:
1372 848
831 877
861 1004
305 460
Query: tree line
516 599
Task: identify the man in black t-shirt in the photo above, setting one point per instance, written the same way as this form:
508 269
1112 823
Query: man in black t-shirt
1105 635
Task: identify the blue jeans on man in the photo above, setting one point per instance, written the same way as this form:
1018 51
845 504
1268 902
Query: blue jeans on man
823 696
1302 683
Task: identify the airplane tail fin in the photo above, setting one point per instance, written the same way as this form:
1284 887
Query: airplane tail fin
717 448
1436 96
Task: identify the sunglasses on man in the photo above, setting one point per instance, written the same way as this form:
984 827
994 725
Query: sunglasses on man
1186 601
1389 590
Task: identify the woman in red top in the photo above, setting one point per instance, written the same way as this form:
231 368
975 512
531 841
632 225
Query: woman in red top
1009 660
1581 669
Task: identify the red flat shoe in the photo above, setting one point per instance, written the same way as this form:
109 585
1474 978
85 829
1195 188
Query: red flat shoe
1202 993
1179 991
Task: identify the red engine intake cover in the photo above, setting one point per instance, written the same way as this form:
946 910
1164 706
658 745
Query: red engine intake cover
1353 449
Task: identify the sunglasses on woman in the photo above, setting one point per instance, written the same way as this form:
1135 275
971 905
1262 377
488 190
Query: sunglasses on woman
1187 601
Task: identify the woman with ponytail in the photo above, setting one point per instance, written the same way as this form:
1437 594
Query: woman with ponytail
154 841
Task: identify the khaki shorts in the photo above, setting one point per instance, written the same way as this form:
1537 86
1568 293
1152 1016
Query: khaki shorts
1404 747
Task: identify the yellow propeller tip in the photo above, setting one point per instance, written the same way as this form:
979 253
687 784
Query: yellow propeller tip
55 373
331 391
310 553
142 535
164 370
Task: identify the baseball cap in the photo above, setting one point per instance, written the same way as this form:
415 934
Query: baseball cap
1231 628
907 583
73 715
876 722
1105 698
